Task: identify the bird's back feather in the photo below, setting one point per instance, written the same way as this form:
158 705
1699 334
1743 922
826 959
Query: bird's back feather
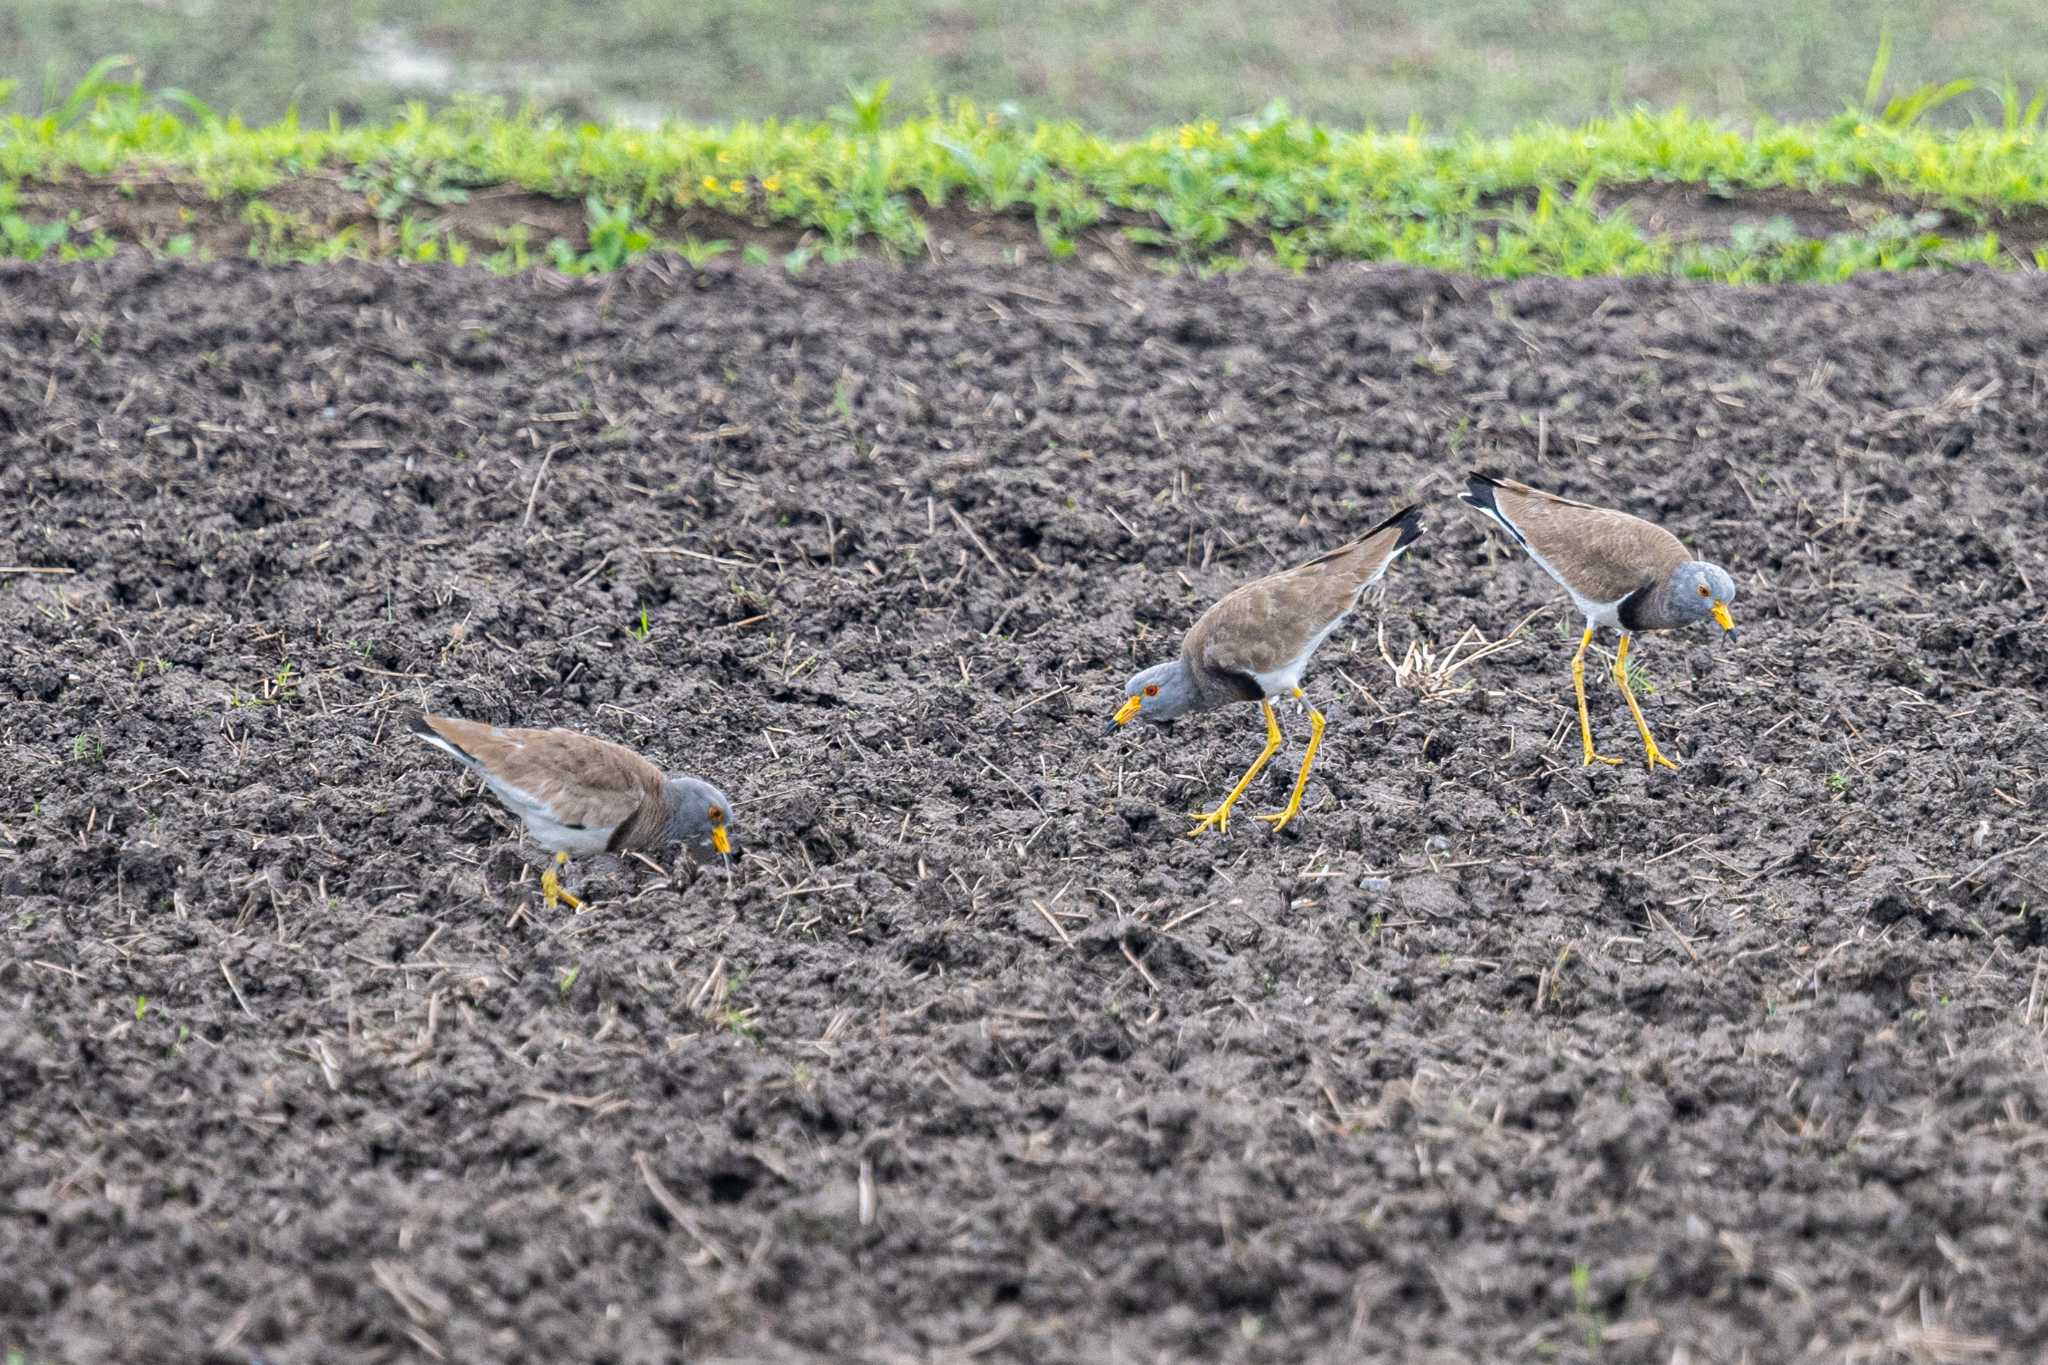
1266 629
572 780
1600 555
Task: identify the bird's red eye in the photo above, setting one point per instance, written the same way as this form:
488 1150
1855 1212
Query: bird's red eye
716 813
1705 591
1152 689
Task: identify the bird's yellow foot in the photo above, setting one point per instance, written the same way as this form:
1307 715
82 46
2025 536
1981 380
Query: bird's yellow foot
1592 758
551 889
1652 756
1218 820
1279 818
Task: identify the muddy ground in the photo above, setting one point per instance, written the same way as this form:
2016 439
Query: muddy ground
974 1056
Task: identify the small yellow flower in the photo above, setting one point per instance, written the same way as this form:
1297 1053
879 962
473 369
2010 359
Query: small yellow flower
1863 130
725 158
1187 138
772 184
737 186
710 183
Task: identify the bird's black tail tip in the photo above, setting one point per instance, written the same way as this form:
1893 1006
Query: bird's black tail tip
1409 520
418 725
1478 493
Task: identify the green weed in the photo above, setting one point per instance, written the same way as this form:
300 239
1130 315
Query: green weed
1904 110
280 236
2017 118
739 1021
276 690
614 240
30 241
864 110
513 257
1638 681
700 254
1583 1305
391 187
428 242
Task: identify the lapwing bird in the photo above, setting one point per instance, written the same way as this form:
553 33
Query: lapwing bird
1621 571
1253 646
579 795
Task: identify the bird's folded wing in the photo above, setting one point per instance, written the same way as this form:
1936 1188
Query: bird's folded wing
573 779
1604 555
1263 627
588 783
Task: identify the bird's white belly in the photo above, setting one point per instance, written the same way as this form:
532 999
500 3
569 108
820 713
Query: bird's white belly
1281 682
550 833
562 839
1606 614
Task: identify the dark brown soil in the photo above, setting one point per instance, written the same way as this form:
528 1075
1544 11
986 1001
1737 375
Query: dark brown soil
1489 1057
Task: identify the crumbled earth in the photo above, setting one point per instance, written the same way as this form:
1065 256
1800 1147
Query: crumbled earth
972 1054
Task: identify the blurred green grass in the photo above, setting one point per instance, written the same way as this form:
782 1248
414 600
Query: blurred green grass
1480 65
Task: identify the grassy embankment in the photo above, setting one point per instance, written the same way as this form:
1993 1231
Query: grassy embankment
1644 193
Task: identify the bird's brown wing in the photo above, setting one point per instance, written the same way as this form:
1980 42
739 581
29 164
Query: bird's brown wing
1604 555
583 782
1265 625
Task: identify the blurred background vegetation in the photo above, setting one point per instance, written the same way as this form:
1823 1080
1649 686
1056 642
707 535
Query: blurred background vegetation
1119 65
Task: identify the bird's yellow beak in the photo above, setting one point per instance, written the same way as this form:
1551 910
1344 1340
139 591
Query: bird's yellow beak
1722 617
1129 710
720 840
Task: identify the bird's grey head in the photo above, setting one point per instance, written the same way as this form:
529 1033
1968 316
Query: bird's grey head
1701 589
700 813
1161 692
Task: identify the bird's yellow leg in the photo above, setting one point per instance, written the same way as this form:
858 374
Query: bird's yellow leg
1219 819
1315 742
1650 754
551 886
1579 686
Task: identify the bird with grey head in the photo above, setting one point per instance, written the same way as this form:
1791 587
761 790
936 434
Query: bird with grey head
1158 693
1254 645
1695 591
697 815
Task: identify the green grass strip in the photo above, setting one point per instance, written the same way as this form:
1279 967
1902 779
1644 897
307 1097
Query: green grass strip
1209 195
